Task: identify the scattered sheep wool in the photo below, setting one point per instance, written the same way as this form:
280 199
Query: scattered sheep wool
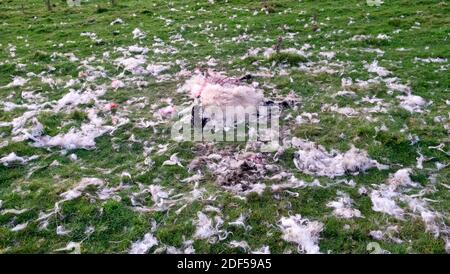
241 173
301 231
313 159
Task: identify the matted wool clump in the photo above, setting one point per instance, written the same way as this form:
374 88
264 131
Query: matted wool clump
217 90
412 103
315 160
13 159
144 245
83 138
209 229
343 207
303 232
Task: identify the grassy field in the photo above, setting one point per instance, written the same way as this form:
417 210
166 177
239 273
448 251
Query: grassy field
45 208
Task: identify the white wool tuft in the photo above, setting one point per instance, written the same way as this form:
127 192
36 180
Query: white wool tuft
116 84
431 219
75 98
61 231
412 103
187 248
383 199
193 178
315 160
19 227
138 34
375 68
155 69
207 229
269 52
382 202
328 54
173 160
303 232
307 118
401 178
14 211
144 245
293 183
343 207
347 111
158 195
17 82
163 200
12 159
255 188
430 60
80 187
262 250
76 138
73 247
133 64
391 85
240 222
117 21
239 244
390 233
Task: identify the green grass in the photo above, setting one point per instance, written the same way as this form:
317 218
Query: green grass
37 34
